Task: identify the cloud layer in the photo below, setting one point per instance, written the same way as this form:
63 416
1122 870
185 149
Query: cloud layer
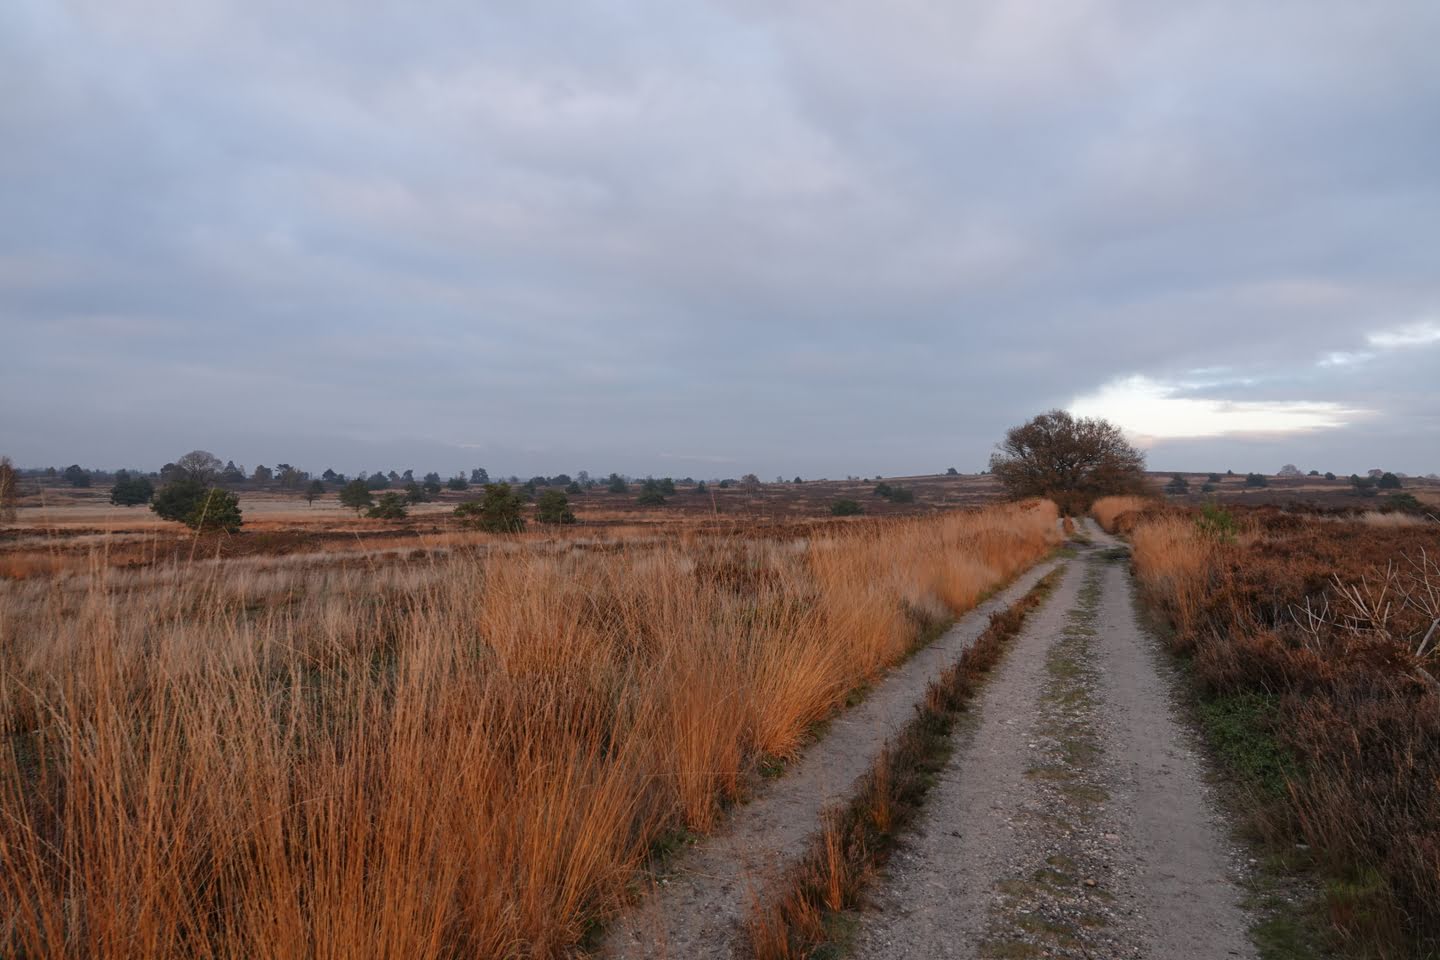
703 237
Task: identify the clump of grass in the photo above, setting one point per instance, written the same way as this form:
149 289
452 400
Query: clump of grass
1108 510
795 919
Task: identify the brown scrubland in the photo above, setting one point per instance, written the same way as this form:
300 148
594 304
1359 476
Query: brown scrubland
472 751
1307 636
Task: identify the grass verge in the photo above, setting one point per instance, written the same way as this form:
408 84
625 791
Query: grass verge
1240 734
804 916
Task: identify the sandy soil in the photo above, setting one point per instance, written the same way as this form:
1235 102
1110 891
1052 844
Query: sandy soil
1074 818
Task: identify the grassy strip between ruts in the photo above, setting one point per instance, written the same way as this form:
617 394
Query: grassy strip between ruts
802 916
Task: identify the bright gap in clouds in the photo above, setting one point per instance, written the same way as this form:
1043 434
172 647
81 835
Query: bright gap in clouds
1415 335
1149 410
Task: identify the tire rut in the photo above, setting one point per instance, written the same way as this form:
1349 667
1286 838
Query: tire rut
696 910
1074 819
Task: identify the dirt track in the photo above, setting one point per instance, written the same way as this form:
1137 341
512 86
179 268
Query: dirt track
1073 819
697 911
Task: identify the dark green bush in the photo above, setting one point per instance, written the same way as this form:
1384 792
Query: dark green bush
845 508
131 491
391 506
553 507
498 512
356 495
177 500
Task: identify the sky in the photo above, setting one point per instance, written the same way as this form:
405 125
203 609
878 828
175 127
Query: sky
709 238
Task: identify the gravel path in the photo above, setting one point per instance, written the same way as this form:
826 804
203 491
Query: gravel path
696 911
1073 819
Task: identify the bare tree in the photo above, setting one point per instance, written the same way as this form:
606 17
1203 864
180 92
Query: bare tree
1072 460
200 466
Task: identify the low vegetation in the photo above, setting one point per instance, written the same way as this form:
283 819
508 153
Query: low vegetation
1313 640
465 756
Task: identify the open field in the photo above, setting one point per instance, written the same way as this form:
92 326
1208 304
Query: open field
58 527
469 754
335 736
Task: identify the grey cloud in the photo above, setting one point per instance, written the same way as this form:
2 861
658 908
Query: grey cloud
810 237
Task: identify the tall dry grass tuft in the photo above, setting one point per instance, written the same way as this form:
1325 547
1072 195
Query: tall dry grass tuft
1175 562
1107 510
463 755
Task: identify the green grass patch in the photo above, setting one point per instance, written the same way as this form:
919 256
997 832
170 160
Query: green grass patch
1241 730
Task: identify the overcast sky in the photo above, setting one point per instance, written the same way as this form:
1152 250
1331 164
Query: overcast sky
706 238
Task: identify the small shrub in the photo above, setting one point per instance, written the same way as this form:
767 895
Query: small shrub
391 506
1256 480
883 490
1388 481
845 508
131 491
1217 523
1178 485
617 484
458 482
902 495
1403 503
216 510
1363 486
553 507
651 498
177 500
498 512
356 495
1329 475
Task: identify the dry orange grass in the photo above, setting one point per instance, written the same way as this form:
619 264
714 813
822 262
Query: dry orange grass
1175 562
1107 510
468 755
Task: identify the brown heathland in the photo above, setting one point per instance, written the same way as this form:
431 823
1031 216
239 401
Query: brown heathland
1307 634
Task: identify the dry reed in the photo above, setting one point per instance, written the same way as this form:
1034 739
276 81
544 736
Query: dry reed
467 755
